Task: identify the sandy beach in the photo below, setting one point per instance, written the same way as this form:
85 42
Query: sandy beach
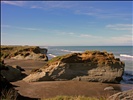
49 89
27 65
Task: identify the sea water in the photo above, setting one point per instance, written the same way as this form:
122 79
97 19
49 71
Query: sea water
125 53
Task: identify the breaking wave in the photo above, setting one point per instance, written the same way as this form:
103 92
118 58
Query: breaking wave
52 55
71 51
127 56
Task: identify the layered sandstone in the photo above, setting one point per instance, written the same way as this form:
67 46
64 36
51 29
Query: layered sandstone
125 95
92 66
23 52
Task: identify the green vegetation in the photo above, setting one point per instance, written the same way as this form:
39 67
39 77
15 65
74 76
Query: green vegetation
11 51
72 57
76 98
58 58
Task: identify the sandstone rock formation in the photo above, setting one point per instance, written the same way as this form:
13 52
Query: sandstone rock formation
12 73
93 66
126 95
3 81
7 91
23 52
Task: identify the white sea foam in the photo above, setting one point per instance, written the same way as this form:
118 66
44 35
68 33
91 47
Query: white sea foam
65 50
76 51
70 51
52 55
127 56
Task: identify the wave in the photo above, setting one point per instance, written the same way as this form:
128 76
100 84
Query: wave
52 55
127 56
71 51
128 74
128 77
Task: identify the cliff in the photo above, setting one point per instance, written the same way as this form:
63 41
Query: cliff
93 66
23 52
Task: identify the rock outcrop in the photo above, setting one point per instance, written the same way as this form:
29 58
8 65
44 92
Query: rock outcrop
126 95
7 91
3 81
93 66
23 52
10 73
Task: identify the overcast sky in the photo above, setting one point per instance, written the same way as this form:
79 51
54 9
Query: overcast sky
66 23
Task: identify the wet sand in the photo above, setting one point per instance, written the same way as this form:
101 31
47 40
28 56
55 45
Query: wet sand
49 89
27 65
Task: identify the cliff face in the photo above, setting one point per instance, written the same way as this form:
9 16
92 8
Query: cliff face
125 95
93 66
10 73
23 52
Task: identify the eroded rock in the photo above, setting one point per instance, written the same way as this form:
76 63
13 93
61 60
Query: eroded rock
23 52
93 66
126 95
12 73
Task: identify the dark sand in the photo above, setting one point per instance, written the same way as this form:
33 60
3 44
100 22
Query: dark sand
28 65
49 89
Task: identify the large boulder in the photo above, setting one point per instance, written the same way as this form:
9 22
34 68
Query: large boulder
3 81
93 66
126 95
12 73
24 52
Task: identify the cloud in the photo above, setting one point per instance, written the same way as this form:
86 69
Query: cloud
88 36
124 39
42 4
5 26
117 40
99 13
79 35
77 7
23 28
89 11
45 5
16 3
58 4
36 7
58 32
127 27
30 29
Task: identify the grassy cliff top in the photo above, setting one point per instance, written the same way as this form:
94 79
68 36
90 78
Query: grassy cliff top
83 57
8 51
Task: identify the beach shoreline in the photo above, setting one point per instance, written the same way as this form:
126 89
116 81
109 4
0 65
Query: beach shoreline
48 89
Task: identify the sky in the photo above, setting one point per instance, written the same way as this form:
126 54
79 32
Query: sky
67 23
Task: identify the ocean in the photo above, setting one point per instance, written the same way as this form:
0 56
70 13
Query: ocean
125 53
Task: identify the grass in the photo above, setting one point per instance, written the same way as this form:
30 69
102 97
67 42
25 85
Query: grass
75 98
72 57
8 95
58 58
9 51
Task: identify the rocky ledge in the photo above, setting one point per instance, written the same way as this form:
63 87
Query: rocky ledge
125 95
92 66
23 52
11 73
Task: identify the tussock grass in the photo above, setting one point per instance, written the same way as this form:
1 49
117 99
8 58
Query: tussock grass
8 95
9 51
75 98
